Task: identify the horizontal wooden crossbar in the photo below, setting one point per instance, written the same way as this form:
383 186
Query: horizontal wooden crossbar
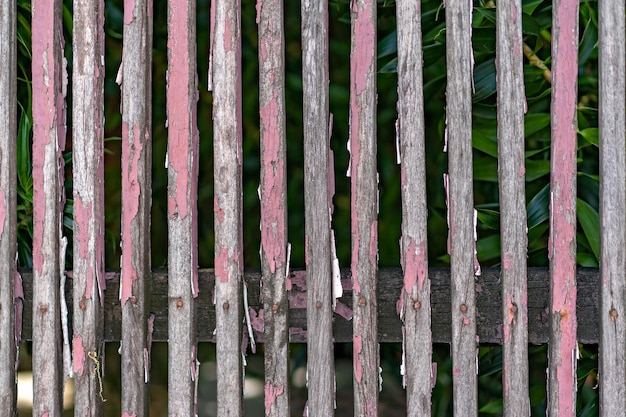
488 297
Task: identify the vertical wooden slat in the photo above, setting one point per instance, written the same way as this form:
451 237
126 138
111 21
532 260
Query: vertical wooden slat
182 157
415 296
315 79
563 350
49 78
364 206
273 193
511 170
136 201
461 243
8 195
88 160
612 135
227 146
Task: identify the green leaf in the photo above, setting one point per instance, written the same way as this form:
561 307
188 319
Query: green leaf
533 123
489 218
590 135
588 43
488 248
484 80
536 169
589 220
538 208
388 45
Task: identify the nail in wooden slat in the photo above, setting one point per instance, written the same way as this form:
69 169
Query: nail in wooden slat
227 145
415 294
273 194
511 170
8 202
88 160
364 206
460 201
315 78
182 166
612 136
136 194
563 351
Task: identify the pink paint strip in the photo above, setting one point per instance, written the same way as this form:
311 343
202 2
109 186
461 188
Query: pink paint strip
3 211
373 252
257 320
78 355
271 392
82 217
129 11
221 266
356 357
414 266
343 310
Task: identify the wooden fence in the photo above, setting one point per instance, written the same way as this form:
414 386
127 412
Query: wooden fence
183 305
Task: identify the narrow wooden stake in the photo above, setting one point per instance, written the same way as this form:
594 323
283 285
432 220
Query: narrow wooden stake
8 198
88 160
136 196
563 351
415 294
227 166
612 135
273 194
364 206
511 170
460 202
315 79
182 166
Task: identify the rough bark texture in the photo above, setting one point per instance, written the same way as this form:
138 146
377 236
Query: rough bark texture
273 194
136 201
88 159
49 83
563 351
460 201
315 79
612 135
513 225
227 128
8 195
364 206
415 310
183 159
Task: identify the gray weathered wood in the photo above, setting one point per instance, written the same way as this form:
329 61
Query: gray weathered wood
183 159
415 292
513 225
488 293
88 160
8 195
364 206
460 202
612 136
49 79
315 79
136 201
563 351
273 194
227 171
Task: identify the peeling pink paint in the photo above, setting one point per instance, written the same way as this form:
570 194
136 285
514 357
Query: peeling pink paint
82 217
228 37
219 212
456 372
298 301
373 243
272 193
510 319
562 238
3 211
129 415
129 11
362 57
78 354
414 266
221 266
506 261
343 310
356 355
403 179
131 190
271 392
257 320
298 279
400 305
259 6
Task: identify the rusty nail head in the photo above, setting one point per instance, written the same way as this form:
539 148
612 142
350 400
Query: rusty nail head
43 308
275 307
318 304
179 304
514 308
613 314
563 313
82 305
133 299
226 306
417 305
463 308
361 301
